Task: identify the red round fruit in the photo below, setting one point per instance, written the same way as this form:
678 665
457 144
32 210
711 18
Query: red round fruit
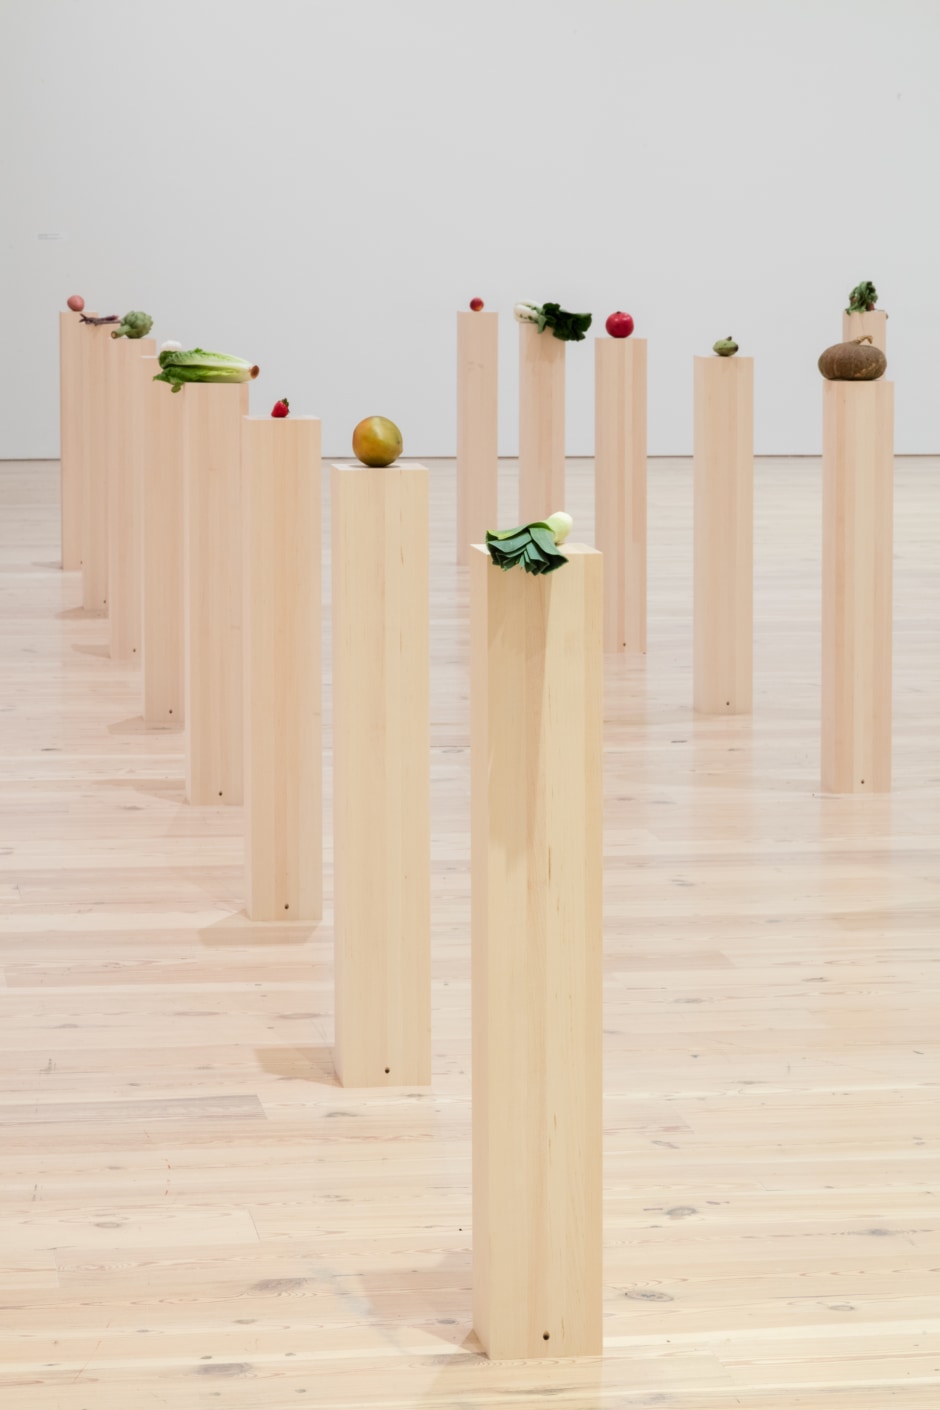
476 305
76 303
619 325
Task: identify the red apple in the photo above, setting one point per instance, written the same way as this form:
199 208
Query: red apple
76 303
476 305
619 325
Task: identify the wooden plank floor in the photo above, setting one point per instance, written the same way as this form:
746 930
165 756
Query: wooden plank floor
194 1214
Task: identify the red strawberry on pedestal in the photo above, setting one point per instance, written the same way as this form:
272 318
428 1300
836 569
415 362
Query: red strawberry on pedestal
281 408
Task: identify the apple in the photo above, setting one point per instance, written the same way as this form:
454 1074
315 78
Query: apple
619 325
76 303
377 441
476 305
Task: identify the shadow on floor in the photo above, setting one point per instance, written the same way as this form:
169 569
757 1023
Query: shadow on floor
299 1064
239 930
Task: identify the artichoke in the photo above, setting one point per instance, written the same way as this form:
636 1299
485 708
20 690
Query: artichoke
133 325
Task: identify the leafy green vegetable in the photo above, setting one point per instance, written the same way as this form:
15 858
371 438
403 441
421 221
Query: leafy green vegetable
569 327
863 297
134 325
198 365
535 546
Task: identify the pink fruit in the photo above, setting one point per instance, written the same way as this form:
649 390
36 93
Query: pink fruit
76 303
476 305
619 325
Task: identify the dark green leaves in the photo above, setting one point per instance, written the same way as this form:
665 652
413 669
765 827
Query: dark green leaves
863 296
569 327
532 545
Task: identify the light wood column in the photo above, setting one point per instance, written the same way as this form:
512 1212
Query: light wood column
541 423
283 727
477 425
858 515
536 839
99 387
724 535
212 568
620 487
381 769
162 552
125 496
872 322
71 353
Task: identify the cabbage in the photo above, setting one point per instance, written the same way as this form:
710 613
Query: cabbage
200 366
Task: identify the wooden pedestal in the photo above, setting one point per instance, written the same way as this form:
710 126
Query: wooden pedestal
212 567
125 495
875 324
620 487
536 722
283 729
71 354
858 512
541 424
381 768
99 388
477 443
724 535
162 539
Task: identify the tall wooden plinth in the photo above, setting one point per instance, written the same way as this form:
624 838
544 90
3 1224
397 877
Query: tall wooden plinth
282 629
724 535
381 766
212 591
477 410
872 322
536 721
162 539
72 347
99 390
620 487
541 423
858 513
125 495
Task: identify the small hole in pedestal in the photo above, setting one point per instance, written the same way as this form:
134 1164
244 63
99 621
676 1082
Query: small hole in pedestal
545 1336
287 905
863 780
220 793
387 1070
171 712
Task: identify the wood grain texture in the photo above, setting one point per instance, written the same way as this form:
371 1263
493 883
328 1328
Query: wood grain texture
541 425
477 427
99 389
162 628
125 497
870 322
283 726
207 1219
212 591
857 574
620 487
71 476
381 821
723 602
537 859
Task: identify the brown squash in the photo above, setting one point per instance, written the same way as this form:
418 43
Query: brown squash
853 362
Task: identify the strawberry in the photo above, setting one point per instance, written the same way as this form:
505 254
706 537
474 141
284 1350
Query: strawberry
281 408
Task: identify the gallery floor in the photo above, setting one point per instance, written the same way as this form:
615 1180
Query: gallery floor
193 1214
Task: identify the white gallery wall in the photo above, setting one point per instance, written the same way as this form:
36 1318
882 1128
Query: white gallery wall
318 185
